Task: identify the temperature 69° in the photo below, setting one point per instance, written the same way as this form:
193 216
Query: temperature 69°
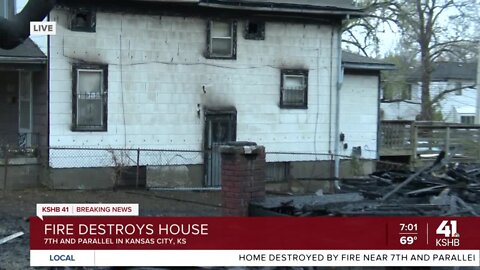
407 240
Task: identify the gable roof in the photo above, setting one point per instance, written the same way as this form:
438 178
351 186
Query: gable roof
355 61
340 7
454 70
444 71
302 8
25 53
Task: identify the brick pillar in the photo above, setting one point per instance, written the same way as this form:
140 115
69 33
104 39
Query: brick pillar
243 176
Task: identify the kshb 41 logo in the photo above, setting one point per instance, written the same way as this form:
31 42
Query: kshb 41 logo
451 237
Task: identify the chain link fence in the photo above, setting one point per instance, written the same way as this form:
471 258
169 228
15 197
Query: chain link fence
65 157
171 166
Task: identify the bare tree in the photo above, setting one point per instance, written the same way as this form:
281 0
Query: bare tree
433 29
13 32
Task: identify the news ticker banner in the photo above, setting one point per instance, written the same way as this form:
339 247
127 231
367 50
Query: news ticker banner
250 241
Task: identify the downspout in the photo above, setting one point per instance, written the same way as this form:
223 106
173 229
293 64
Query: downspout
477 83
337 106
330 94
47 146
379 117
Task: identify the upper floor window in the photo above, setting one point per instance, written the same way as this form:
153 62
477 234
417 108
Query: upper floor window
89 110
7 8
294 88
222 39
83 21
255 30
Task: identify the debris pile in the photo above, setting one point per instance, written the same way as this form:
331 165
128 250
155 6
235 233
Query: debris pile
441 189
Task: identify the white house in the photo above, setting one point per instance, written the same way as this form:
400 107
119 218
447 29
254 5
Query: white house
459 106
192 74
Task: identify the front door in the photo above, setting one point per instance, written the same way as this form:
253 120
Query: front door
220 127
25 109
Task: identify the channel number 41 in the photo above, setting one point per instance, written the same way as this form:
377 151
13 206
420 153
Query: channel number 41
448 228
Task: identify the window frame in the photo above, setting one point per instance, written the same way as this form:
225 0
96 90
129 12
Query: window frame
233 37
260 35
91 21
75 76
470 121
294 72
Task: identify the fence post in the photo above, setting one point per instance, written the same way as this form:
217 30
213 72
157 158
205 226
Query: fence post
138 168
413 141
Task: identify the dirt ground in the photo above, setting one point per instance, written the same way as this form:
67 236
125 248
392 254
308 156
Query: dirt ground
17 206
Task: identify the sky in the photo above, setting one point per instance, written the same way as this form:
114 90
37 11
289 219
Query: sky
41 41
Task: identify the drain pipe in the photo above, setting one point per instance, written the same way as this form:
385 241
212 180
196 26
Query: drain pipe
337 107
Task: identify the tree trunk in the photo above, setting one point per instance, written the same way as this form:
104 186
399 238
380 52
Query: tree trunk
426 113
425 35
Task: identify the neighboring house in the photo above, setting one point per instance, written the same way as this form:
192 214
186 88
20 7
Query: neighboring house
192 75
23 111
458 106
23 84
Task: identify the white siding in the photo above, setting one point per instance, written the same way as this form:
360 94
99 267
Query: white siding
451 105
400 111
359 114
156 75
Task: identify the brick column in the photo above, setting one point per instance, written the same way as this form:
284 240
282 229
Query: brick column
243 176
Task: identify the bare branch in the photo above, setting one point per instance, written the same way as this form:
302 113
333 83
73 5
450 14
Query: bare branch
445 92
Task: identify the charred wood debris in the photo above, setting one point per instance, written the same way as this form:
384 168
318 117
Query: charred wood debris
442 189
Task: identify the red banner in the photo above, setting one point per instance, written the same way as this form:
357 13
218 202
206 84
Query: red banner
235 233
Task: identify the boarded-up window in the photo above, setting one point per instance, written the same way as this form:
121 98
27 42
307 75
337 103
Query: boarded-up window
221 39
293 90
90 98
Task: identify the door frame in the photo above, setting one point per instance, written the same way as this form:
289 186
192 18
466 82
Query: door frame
231 115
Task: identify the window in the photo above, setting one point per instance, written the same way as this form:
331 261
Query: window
90 98
7 8
255 30
83 21
467 120
458 87
407 93
293 89
222 40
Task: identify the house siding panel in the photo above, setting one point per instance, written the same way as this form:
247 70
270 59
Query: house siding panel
157 72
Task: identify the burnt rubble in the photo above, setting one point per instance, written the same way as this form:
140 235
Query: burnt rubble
441 189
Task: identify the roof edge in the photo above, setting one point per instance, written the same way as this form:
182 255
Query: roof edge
286 8
22 60
351 65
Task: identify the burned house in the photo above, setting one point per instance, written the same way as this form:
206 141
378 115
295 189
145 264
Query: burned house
190 75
